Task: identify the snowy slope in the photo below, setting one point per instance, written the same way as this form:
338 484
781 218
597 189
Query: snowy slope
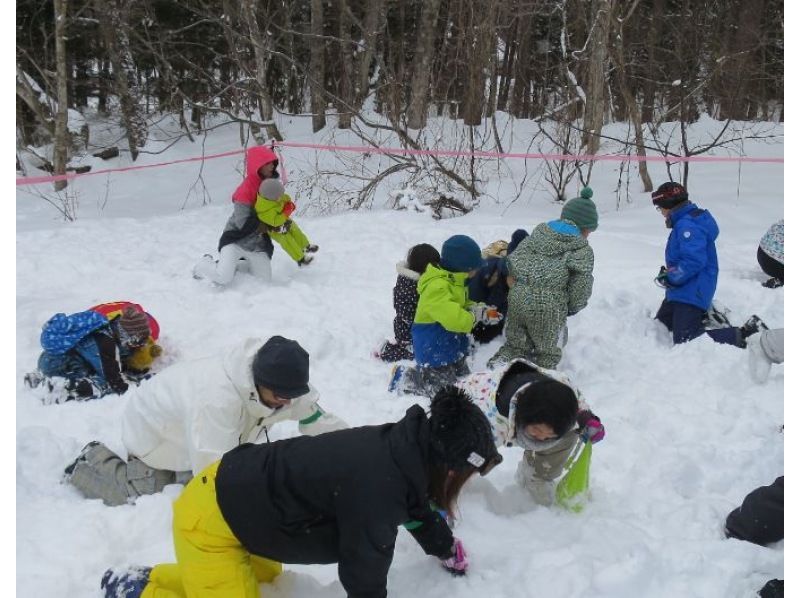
688 433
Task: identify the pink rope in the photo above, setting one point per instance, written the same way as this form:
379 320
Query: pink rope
412 152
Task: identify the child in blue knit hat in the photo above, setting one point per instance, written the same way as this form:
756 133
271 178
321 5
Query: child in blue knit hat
444 318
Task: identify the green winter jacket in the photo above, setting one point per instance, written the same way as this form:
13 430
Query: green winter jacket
554 266
271 211
443 299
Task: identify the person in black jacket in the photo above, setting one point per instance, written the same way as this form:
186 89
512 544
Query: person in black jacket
490 286
334 498
405 298
759 520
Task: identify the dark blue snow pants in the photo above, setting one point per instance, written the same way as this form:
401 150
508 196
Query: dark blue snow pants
686 323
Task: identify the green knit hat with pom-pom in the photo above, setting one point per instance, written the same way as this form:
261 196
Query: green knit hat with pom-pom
581 210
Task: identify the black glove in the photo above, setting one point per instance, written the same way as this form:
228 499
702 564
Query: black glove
661 279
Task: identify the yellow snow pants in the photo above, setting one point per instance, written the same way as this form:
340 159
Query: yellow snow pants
293 242
211 561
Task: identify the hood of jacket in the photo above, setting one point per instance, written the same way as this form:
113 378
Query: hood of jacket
552 238
434 274
404 270
257 156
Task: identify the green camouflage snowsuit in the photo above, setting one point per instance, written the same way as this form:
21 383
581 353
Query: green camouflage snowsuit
553 279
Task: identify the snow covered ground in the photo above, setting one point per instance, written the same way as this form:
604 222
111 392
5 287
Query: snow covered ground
689 434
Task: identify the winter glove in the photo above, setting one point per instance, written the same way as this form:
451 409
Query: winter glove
661 279
590 427
288 208
284 228
485 314
156 351
457 564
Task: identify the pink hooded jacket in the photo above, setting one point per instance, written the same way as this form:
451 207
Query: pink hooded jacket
257 156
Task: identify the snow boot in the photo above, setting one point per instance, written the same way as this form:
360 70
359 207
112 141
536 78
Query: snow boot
203 266
125 583
772 283
33 379
716 317
757 361
311 248
305 260
396 378
81 457
753 325
81 390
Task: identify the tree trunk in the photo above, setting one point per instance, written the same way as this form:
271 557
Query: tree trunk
479 56
373 19
316 74
259 40
596 77
653 70
417 114
61 138
344 89
114 29
618 57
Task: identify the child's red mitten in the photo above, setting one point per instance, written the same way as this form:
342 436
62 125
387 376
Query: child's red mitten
288 208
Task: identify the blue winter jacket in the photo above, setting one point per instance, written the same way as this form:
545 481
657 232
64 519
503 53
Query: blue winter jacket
691 257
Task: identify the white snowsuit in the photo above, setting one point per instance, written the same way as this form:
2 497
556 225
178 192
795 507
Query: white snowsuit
186 418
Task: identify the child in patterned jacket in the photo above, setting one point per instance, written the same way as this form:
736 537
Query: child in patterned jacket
770 255
550 275
538 410
405 299
274 209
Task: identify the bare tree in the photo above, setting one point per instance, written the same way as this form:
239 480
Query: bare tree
60 139
417 113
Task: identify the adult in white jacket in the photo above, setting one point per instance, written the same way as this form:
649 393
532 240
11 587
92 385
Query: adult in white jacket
187 417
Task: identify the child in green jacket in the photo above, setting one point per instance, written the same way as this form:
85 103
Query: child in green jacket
444 318
274 208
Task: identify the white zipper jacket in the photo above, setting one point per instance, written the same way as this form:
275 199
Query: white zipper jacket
191 413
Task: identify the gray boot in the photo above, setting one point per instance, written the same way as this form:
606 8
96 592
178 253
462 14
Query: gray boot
98 472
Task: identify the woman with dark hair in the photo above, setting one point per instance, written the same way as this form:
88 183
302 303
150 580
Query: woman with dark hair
333 498
538 410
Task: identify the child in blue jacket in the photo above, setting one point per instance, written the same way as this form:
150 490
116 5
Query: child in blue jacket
690 276
84 354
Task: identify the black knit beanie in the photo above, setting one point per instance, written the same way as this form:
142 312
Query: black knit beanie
281 365
420 256
461 436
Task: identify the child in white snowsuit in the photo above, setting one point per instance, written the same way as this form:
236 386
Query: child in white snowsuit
405 299
538 410
274 209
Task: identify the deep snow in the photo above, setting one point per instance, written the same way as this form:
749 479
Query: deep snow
689 434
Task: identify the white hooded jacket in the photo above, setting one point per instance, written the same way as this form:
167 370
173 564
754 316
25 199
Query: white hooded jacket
191 413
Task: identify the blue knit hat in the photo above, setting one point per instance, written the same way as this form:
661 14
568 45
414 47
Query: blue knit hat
461 254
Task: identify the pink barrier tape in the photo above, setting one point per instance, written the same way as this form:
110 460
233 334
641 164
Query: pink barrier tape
412 152
565 157
73 175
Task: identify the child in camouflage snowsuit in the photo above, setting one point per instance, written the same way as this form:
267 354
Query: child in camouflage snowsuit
551 272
